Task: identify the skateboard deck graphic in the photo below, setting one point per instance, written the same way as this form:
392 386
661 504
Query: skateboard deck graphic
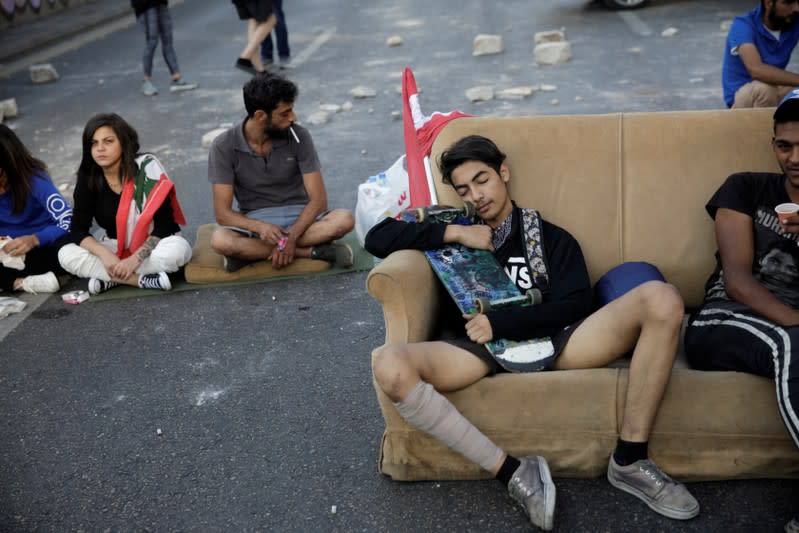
477 283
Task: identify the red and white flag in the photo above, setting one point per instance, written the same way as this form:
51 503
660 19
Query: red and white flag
420 133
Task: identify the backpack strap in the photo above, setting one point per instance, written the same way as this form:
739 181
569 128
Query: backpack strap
534 249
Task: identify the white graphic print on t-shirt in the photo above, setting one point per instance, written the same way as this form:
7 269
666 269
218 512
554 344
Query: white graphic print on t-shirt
519 272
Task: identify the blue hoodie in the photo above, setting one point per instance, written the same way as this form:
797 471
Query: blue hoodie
46 214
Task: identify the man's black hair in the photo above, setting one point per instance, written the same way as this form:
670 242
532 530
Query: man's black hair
471 148
787 111
266 91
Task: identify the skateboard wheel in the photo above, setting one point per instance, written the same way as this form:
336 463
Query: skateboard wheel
483 305
535 296
468 209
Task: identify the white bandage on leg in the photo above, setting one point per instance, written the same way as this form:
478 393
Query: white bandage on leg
431 412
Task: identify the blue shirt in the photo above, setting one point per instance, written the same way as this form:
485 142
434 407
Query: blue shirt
46 214
749 28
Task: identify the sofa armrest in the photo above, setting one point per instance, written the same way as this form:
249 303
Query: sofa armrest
405 286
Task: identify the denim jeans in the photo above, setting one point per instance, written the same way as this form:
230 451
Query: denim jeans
281 36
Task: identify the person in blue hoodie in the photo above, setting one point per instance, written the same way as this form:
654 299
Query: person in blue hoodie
34 220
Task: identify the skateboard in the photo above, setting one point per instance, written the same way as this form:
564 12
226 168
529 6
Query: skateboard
477 283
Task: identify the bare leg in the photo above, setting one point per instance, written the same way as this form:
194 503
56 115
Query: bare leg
398 370
332 226
234 244
647 319
256 33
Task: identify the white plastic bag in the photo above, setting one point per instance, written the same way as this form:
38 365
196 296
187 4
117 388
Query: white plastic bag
10 305
381 196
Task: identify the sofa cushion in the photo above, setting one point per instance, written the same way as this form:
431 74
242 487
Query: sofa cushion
207 266
668 177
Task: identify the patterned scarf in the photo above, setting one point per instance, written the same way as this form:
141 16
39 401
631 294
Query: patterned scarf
500 234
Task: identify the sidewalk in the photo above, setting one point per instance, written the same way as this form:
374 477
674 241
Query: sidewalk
36 35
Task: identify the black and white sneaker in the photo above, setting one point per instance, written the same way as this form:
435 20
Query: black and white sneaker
96 285
159 281
340 255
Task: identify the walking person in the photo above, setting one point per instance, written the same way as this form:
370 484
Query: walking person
281 34
261 19
156 21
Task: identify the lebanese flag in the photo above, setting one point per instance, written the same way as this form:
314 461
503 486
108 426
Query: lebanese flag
420 133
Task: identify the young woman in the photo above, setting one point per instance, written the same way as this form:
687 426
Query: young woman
34 220
129 196
156 21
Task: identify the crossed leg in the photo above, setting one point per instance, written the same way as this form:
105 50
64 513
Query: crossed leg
333 225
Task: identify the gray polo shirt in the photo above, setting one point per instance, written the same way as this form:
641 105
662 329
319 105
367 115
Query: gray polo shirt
258 181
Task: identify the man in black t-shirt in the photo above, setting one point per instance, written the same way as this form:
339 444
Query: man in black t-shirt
645 320
749 321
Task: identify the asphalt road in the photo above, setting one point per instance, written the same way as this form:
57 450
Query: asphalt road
262 394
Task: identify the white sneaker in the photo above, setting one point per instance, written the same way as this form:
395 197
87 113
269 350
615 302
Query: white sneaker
180 85
40 283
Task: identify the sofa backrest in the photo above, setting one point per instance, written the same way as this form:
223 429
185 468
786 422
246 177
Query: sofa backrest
628 186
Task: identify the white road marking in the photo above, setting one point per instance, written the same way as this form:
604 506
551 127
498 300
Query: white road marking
635 23
321 39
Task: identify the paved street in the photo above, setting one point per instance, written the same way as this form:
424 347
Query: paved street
262 393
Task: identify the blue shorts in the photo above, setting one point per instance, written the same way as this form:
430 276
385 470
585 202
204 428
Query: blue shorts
284 216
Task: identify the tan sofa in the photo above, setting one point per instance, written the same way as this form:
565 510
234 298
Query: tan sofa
629 187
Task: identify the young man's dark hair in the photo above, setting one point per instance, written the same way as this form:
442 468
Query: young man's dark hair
470 148
266 91
788 110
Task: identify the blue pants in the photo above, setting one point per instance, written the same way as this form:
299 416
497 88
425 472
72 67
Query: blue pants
156 22
281 36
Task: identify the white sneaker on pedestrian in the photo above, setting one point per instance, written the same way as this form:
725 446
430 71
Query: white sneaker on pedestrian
181 84
148 89
40 283
158 281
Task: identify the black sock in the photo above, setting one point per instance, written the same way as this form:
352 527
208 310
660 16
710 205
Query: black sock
507 469
627 453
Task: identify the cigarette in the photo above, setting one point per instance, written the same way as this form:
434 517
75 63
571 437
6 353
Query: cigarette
294 134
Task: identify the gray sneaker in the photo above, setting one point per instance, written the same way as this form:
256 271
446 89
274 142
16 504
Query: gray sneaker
148 89
792 526
180 85
644 480
340 255
531 487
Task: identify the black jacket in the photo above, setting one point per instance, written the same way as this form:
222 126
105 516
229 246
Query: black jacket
568 299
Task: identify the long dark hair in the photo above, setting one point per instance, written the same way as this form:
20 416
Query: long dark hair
19 167
128 139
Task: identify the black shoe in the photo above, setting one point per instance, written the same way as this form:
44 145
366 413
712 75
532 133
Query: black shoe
234 264
159 281
340 255
246 65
